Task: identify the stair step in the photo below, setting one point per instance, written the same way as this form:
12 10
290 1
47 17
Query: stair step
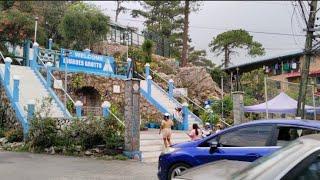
151 154
150 159
31 88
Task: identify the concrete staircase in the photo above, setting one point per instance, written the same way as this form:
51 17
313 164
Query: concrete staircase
163 99
31 88
151 143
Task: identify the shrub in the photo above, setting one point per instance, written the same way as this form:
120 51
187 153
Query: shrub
43 133
14 135
147 47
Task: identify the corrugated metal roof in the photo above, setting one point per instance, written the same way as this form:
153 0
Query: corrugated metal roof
267 58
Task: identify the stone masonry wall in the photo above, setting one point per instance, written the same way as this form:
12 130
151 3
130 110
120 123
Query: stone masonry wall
104 85
106 48
8 117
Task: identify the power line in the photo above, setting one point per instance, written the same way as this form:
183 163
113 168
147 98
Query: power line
294 38
226 29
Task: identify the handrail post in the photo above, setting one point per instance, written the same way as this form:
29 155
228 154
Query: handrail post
149 81
7 67
171 88
147 69
50 44
78 106
49 69
16 83
35 48
30 110
129 61
185 113
105 108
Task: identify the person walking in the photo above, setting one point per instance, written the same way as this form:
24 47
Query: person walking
218 128
177 117
195 133
165 129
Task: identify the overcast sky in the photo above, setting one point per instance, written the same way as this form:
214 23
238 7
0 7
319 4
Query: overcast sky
218 16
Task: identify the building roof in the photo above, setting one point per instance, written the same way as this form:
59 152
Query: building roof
265 60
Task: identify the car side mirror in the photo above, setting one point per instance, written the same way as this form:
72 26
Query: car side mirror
214 146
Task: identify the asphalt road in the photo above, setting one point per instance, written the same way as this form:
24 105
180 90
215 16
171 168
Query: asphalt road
27 166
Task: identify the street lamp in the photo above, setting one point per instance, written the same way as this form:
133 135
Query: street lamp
35 28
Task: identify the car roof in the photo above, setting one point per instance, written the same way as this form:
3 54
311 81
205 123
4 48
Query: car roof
309 123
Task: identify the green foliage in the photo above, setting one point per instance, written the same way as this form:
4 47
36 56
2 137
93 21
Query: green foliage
70 106
43 133
147 48
253 84
14 135
227 43
15 26
164 20
216 74
2 132
77 81
83 25
198 58
227 106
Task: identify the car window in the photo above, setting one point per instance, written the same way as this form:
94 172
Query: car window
312 171
247 136
287 134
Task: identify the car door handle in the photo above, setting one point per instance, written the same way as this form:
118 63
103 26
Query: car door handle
254 154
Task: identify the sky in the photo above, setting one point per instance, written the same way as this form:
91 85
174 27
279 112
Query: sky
216 17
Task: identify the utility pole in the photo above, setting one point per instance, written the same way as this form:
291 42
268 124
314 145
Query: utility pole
306 63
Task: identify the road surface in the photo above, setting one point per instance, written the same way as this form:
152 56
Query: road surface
28 166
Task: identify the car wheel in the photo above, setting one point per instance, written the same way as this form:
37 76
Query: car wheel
177 169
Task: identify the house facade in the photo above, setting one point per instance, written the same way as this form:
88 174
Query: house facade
282 68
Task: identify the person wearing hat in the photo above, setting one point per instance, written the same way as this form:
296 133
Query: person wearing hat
207 130
165 129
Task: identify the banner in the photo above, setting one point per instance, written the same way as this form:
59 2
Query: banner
178 92
86 61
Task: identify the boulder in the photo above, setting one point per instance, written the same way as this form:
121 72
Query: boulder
3 141
199 83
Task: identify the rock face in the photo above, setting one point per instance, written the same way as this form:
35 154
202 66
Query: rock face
199 83
109 48
8 117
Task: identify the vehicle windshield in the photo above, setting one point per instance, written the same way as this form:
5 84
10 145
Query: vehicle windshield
268 160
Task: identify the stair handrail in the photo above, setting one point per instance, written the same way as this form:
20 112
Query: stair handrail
67 94
121 122
186 97
1 55
70 98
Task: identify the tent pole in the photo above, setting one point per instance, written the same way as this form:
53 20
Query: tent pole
314 103
266 96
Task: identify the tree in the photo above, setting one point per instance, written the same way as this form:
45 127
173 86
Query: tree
120 9
227 43
194 6
51 14
163 19
147 50
198 58
83 25
15 26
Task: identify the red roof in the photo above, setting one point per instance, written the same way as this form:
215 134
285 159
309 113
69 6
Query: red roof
297 74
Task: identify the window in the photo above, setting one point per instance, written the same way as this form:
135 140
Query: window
309 168
288 134
247 136
310 172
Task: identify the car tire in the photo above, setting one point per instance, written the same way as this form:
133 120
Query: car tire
177 169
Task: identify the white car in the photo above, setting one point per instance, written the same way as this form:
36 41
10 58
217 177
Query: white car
298 160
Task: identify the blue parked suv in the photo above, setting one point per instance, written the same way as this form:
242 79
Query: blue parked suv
245 142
